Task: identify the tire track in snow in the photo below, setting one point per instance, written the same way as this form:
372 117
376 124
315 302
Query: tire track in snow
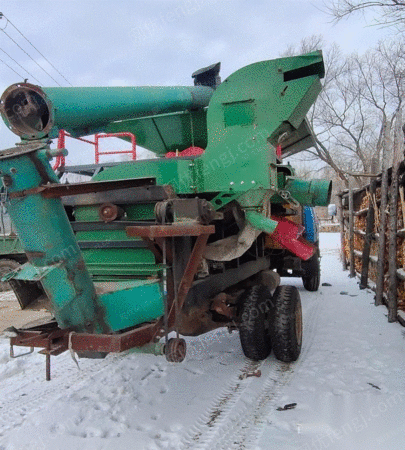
238 415
214 419
246 434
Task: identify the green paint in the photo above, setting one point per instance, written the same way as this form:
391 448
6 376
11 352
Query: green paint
260 222
86 214
103 235
167 132
138 302
86 110
28 272
117 264
172 171
10 245
239 113
246 115
45 233
141 211
309 193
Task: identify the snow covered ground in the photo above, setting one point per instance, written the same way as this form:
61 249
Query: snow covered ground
348 386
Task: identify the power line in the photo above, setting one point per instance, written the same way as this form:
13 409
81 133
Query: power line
25 70
29 56
12 69
32 45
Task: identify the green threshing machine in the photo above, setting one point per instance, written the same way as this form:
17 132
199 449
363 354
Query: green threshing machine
193 240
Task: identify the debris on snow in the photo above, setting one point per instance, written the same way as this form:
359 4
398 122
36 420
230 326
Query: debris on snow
287 407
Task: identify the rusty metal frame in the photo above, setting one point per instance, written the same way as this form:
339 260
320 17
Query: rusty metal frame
56 190
55 341
188 277
155 234
174 230
117 343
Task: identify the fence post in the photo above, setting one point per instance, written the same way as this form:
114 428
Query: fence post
342 231
365 263
351 230
383 217
392 296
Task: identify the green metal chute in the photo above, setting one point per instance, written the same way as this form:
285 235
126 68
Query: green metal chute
248 114
166 132
33 112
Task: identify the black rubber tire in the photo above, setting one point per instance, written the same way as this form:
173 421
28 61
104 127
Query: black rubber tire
254 328
312 277
286 324
6 266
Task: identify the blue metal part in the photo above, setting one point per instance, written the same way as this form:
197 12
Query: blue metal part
311 224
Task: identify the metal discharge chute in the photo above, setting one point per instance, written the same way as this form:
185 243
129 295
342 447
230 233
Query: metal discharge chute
187 229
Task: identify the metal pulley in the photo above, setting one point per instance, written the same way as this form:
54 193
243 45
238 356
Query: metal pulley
163 212
109 212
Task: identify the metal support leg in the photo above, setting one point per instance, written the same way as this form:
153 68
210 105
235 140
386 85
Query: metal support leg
12 355
48 367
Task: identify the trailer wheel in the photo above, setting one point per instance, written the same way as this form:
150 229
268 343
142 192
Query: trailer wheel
6 266
286 324
254 329
175 350
312 276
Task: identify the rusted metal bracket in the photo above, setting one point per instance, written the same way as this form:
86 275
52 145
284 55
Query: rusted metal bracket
117 343
191 268
156 232
55 341
187 279
57 190
174 230
13 356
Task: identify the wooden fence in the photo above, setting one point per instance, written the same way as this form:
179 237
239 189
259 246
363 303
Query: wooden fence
379 263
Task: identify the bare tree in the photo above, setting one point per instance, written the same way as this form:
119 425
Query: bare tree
307 45
389 12
360 92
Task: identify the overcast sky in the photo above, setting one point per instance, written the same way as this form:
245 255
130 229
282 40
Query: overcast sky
158 42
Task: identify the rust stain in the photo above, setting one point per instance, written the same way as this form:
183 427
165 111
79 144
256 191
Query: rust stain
34 255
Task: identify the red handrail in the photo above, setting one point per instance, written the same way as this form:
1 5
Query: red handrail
122 134
60 160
